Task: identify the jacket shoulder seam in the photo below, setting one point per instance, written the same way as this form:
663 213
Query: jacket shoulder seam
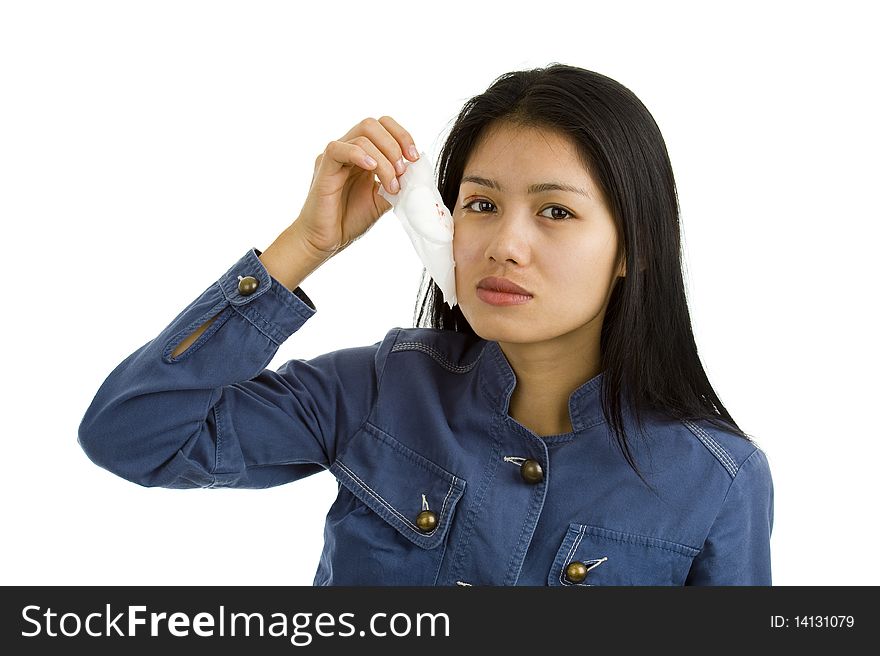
436 354
721 454
733 482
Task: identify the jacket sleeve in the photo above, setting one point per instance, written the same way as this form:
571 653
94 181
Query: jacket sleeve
737 549
214 416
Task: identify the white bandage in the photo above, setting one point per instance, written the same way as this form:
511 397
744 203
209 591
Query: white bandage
427 221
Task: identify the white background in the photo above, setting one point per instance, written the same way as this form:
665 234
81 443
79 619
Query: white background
146 146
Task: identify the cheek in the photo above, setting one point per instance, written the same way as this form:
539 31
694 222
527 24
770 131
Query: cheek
578 267
464 247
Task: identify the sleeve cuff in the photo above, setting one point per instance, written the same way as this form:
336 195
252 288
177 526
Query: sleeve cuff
268 304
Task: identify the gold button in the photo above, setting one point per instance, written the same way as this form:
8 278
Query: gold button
426 521
248 285
531 471
576 571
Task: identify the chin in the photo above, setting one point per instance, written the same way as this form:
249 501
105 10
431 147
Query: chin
510 330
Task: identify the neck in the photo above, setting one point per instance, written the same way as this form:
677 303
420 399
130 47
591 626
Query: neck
546 375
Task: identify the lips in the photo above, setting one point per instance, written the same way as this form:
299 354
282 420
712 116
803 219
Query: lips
502 285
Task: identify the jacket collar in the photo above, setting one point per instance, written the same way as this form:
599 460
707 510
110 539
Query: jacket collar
498 381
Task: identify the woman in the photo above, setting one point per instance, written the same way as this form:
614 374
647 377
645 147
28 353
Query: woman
565 434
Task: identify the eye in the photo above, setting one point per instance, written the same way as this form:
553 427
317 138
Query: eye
567 215
467 206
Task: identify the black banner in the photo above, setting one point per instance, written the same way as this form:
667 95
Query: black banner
430 620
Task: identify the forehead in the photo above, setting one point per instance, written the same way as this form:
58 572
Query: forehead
526 153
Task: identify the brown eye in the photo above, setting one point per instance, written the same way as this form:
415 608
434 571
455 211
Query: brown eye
568 214
467 206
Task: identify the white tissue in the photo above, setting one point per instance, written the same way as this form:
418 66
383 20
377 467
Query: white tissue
427 221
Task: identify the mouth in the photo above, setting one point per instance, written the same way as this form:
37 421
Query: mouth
500 298
495 284
501 292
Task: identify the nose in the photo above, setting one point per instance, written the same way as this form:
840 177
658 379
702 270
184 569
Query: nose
508 242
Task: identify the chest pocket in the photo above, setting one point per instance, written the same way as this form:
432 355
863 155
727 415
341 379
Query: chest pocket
386 543
592 555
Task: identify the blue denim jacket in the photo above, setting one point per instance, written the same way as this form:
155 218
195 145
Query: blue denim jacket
415 427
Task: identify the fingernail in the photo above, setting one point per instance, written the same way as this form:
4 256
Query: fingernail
412 153
400 166
395 186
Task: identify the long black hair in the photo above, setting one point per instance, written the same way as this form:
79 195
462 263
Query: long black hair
648 354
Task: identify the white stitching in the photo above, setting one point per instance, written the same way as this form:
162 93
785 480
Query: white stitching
445 500
581 531
434 353
729 459
713 447
596 562
382 500
724 453
717 450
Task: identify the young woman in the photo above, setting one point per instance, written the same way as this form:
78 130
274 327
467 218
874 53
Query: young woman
555 428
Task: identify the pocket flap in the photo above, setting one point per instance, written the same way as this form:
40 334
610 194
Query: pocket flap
390 478
618 558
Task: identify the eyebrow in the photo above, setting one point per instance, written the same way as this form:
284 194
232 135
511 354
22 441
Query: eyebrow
533 189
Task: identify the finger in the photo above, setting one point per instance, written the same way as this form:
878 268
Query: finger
339 154
407 143
384 169
384 140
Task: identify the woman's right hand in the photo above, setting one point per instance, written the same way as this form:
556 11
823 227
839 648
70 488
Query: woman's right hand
344 201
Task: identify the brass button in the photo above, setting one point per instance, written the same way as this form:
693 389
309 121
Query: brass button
531 471
426 521
248 285
576 571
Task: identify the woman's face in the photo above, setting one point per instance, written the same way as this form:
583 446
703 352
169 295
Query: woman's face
560 246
